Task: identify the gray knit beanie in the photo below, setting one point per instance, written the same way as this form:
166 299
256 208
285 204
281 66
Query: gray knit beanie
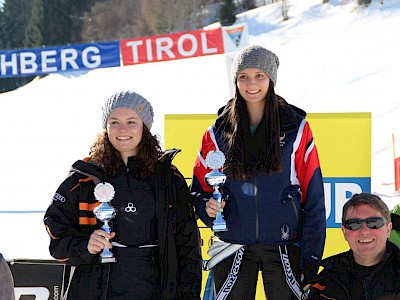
257 57
131 100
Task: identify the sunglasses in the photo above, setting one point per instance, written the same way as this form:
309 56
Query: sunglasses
372 223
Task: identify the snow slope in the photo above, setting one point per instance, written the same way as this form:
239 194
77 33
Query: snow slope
335 57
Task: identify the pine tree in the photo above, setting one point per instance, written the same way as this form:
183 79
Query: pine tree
50 23
77 12
15 18
58 16
33 33
2 31
56 22
227 12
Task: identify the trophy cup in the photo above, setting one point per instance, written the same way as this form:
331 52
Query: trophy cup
215 160
104 192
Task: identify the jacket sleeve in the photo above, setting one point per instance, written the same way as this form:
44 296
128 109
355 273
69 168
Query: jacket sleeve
67 241
187 239
328 285
312 192
199 189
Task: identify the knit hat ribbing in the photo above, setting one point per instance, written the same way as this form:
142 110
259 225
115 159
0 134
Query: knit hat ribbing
257 57
131 100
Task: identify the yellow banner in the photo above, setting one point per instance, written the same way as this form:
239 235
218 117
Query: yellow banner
343 141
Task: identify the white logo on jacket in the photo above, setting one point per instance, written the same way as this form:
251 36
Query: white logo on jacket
58 197
285 232
130 208
281 140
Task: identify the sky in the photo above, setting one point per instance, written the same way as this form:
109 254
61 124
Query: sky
334 57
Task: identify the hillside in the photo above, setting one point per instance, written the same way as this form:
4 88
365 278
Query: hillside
335 57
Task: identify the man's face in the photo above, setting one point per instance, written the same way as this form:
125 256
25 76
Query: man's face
368 245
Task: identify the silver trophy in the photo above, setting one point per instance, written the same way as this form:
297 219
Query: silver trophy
104 192
215 160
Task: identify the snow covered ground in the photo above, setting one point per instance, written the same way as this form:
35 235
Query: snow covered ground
335 57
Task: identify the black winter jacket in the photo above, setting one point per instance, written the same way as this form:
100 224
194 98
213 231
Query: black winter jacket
342 279
70 221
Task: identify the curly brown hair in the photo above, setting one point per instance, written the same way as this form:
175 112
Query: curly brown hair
104 155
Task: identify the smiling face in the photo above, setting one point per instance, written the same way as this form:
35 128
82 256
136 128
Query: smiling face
125 130
368 245
253 85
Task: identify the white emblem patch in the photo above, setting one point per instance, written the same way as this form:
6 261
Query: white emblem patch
58 197
285 233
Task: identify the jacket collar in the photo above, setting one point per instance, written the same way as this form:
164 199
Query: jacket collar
345 260
86 167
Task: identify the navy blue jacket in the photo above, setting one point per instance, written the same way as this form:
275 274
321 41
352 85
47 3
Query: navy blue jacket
279 209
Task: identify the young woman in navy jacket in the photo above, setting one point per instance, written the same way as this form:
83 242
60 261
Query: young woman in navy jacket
273 195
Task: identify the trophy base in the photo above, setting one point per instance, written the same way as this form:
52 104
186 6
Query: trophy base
105 260
219 228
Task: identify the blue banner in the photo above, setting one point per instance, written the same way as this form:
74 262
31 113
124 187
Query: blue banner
78 57
337 192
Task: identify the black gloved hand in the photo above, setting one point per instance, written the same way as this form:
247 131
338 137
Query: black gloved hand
306 276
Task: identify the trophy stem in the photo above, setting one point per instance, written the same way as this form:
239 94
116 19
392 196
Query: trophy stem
219 222
106 227
107 256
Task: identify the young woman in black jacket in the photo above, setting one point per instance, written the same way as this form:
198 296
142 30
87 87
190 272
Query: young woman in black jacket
154 236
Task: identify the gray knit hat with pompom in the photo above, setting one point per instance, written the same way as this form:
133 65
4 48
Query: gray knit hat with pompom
131 100
257 57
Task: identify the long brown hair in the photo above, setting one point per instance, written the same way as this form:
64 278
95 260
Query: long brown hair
269 160
103 153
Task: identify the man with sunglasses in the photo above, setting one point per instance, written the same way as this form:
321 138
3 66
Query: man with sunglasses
371 268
